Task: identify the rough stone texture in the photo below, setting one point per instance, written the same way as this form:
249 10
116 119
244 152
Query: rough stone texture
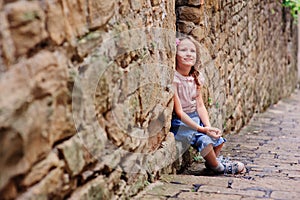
86 96
55 23
96 189
26 23
27 114
269 147
100 12
191 14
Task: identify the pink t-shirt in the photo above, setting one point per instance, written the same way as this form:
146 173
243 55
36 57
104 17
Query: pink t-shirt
187 91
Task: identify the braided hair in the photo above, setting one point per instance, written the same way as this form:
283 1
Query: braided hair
195 74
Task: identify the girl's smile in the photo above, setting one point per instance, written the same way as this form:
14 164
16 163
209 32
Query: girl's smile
186 56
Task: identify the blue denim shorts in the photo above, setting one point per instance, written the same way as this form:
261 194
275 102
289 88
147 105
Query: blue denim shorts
197 139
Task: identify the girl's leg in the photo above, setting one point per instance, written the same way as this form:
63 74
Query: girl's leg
208 153
217 149
211 159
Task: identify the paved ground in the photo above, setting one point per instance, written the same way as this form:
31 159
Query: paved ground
269 146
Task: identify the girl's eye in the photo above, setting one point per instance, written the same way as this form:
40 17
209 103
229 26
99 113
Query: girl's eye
185 49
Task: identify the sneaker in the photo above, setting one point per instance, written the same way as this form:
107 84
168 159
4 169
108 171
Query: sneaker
217 170
233 167
221 159
230 167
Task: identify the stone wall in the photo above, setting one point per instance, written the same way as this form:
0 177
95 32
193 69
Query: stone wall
85 97
86 101
249 55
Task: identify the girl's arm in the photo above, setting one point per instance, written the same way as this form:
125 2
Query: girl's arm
201 109
203 114
184 117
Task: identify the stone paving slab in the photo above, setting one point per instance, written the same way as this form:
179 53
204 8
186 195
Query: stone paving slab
270 148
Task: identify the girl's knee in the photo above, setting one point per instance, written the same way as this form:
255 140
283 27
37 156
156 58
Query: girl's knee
219 146
206 150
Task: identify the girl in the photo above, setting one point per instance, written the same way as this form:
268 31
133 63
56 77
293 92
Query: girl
190 122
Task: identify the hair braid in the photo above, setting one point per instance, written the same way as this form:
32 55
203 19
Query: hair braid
195 74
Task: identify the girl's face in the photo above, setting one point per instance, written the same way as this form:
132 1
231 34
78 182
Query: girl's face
186 54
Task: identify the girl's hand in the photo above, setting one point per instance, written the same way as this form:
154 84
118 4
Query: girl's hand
214 133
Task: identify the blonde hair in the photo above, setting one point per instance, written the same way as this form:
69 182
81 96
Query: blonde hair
195 69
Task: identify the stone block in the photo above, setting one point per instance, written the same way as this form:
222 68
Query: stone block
60 121
56 21
72 150
75 14
27 24
9 191
50 186
191 14
203 195
195 2
221 40
41 169
181 2
155 2
8 49
185 27
135 5
100 12
164 156
285 194
212 4
95 145
205 55
199 33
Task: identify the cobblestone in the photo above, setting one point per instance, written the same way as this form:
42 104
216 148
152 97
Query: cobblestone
269 146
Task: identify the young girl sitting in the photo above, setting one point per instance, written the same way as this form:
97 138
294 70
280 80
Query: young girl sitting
190 121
